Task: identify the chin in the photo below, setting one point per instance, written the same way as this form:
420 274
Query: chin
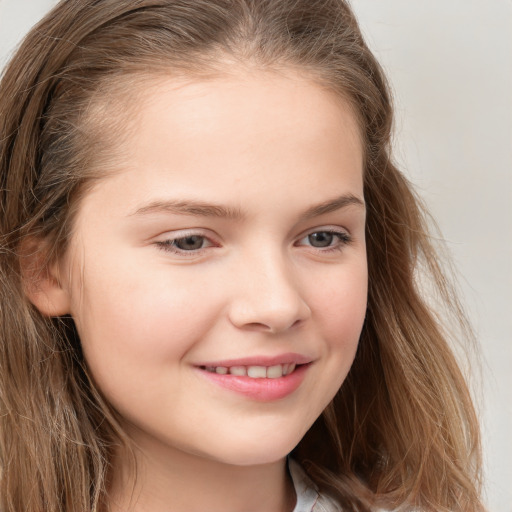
257 452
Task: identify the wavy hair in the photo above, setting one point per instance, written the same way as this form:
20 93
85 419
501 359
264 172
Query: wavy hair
400 433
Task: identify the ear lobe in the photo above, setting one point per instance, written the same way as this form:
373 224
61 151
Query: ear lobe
41 282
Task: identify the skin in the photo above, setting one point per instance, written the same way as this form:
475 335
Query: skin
267 148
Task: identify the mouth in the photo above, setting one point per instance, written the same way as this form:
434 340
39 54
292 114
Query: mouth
254 371
263 379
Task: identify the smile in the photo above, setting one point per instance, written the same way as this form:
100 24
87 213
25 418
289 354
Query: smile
254 372
264 379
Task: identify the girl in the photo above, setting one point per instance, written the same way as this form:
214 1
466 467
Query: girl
209 271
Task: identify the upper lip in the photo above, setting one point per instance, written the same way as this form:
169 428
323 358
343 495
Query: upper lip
260 360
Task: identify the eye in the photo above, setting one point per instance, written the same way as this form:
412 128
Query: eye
190 243
185 244
326 239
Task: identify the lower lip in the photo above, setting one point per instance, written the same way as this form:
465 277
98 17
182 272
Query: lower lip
264 390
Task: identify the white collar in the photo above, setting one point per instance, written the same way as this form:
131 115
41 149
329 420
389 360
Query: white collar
305 489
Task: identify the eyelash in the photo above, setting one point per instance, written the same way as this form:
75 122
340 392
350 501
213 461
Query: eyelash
343 237
169 245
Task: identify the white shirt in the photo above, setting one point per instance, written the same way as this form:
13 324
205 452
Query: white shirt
308 497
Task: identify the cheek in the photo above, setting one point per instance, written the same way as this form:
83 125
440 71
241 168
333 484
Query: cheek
341 305
338 301
340 309
135 324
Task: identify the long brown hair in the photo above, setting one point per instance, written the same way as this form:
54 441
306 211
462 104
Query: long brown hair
401 432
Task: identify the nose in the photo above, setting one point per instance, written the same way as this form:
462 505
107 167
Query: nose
267 295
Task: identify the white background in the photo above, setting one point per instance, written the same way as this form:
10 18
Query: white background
450 66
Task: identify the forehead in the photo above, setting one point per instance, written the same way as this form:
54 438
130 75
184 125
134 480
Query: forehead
265 106
220 136
243 94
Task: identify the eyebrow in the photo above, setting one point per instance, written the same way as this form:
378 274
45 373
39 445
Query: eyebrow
201 209
332 205
191 207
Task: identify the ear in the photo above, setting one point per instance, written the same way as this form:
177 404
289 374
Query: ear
41 279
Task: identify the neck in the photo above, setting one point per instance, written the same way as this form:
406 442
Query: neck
176 481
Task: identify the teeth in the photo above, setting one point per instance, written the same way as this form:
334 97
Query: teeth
238 370
274 372
255 372
290 368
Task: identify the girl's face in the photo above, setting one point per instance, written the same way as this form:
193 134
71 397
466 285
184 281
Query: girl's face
218 281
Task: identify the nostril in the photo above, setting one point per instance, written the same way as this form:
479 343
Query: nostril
272 327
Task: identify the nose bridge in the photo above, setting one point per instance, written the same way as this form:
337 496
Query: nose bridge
267 292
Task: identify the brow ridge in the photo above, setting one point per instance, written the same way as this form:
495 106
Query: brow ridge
202 209
332 205
191 207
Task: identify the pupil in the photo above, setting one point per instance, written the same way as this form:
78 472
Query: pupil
321 239
189 243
